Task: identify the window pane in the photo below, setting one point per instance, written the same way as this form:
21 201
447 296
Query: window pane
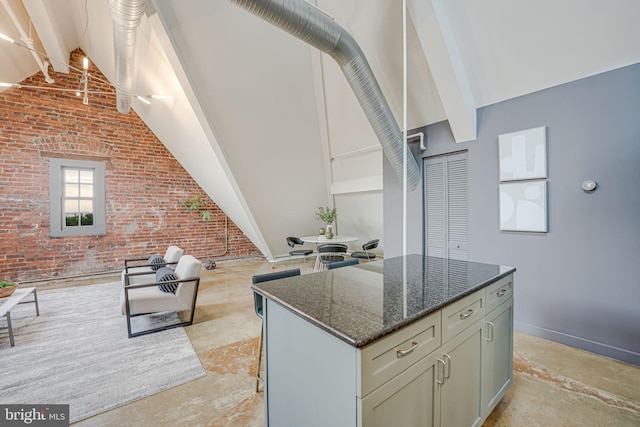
70 175
86 190
87 219
86 177
71 206
71 190
71 220
86 205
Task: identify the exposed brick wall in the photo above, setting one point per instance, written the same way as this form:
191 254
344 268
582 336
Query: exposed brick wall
144 185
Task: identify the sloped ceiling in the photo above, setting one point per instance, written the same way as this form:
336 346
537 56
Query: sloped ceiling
269 127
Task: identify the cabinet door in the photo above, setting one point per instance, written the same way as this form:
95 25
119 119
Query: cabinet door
460 391
497 356
410 399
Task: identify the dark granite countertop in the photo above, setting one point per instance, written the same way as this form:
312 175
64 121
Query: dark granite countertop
363 303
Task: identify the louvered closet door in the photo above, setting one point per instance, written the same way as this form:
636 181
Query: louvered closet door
435 200
446 206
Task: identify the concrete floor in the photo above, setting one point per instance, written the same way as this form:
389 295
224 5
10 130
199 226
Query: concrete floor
554 385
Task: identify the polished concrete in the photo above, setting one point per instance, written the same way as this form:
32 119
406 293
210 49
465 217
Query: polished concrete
554 385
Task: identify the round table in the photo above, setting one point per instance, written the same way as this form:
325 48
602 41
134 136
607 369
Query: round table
318 241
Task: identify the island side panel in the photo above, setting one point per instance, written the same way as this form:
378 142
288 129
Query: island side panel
310 374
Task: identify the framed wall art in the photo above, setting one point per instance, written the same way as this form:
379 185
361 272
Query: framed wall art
523 206
523 154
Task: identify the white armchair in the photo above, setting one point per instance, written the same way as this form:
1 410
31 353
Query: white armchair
150 292
139 265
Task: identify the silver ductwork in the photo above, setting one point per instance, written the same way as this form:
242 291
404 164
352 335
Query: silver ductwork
310 25
126 15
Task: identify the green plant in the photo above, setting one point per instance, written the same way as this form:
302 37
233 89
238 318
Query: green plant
199 205
5 285
326 215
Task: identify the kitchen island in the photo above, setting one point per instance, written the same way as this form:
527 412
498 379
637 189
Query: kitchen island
407 341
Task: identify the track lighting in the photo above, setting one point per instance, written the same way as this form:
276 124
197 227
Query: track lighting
83 86
7 38
145 100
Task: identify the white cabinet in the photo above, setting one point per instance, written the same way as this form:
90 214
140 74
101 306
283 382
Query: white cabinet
386 358
460 355
409 399
462 379
497 360
473 365
449 369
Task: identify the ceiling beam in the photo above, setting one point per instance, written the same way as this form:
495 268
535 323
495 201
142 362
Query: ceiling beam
203 157
441 51
49 33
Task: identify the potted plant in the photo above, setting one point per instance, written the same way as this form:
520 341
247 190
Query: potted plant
6 289
199 205
327 215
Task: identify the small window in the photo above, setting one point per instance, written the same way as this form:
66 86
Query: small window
77 205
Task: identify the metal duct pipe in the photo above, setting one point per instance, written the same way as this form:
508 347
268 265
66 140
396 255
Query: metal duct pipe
126 15
310 25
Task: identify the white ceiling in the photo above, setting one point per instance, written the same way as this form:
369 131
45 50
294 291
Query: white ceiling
257 115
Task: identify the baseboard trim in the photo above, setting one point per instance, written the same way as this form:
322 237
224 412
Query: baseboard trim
582 343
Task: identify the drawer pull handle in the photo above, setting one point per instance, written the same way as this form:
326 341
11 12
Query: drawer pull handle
401 353
466 314
502 292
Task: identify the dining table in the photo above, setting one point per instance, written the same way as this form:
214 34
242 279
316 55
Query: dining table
319 240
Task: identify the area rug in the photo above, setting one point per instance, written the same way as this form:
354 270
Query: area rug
77 352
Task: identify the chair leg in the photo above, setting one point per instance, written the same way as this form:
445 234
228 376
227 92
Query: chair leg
259 361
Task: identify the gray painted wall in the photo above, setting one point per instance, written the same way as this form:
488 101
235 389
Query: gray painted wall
579 283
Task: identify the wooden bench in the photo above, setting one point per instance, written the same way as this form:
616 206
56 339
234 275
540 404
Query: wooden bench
14 299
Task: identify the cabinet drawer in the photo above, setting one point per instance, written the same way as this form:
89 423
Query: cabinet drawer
386 358
499 292
461 314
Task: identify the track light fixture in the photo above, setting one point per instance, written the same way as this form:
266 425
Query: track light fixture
7 38
144 100
83 85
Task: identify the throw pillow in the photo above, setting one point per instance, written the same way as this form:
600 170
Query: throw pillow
154 261
165 274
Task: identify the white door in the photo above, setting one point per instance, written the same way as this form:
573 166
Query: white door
446 207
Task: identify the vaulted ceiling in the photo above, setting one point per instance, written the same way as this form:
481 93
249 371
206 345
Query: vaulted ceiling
269 127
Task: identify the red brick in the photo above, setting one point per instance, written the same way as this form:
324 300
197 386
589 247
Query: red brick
145 186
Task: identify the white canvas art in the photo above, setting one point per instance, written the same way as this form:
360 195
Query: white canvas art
523 154
523 206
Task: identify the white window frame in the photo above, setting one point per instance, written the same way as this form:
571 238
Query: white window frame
57 225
